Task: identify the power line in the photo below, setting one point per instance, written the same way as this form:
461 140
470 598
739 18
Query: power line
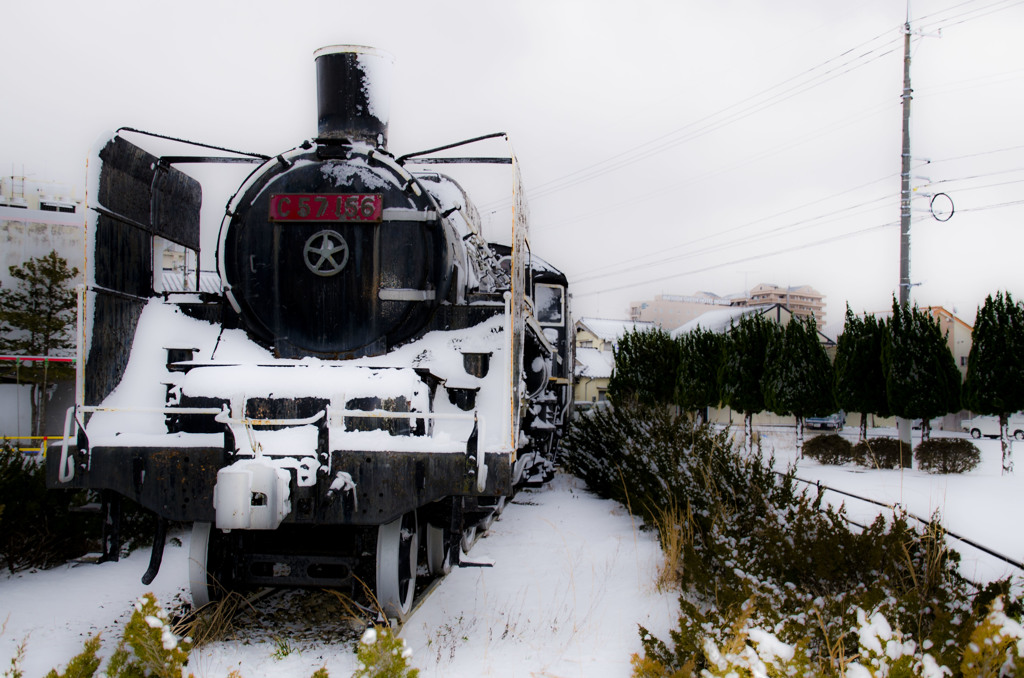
797 84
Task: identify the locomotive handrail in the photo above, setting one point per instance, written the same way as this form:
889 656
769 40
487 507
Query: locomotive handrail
224 417
67 471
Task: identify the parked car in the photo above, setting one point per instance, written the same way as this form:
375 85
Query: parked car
831 422
988 426
933 424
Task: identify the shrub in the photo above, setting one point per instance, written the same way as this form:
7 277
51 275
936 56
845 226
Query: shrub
947 455
770 577
880 453
829 449
40 528
382 654
37 529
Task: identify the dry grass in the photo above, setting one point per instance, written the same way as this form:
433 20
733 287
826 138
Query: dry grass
212 622
675 532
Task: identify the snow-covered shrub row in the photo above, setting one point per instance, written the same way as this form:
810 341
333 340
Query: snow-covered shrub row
774 583
935 455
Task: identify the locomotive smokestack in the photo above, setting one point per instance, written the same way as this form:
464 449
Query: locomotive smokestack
353 93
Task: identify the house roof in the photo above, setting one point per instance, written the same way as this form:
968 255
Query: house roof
611 330
720 320
593 363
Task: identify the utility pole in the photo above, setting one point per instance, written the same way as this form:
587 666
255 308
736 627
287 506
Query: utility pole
905 174
903 425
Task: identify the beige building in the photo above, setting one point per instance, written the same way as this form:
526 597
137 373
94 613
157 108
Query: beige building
669 311
36 218
596 339
958 335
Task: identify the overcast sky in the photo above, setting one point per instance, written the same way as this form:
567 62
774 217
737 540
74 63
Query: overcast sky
666 147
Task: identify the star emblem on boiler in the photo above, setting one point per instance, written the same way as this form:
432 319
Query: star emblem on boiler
326 253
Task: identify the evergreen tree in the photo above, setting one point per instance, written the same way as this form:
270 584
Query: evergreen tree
860 379
646 368
37 318
995 365
743 362
921 377
700 356
798 377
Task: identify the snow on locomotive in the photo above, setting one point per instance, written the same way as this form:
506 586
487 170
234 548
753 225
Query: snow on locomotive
369 372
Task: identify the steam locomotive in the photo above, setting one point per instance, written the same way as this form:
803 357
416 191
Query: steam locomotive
360 387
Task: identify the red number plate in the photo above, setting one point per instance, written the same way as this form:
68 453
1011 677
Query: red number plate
326 207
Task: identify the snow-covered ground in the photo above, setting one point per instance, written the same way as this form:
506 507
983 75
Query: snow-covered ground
573 575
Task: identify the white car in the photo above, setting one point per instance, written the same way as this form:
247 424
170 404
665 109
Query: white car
989 426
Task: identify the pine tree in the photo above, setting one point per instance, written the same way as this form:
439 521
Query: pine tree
860 379
646 368
743 364
921 377
798 376
995 365
37 318
700 357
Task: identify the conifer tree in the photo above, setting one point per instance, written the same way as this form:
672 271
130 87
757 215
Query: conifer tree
743 363
700 356
37 318
646 368
860 379
798 376
995 365
921 377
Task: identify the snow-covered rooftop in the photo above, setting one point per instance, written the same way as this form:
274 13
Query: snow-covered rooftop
593 363
719 320
610 330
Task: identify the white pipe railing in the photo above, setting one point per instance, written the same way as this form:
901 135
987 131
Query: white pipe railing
66 469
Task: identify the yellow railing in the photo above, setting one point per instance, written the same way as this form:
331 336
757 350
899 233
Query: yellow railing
30 444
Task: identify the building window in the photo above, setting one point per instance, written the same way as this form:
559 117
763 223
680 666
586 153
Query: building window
56 207
963 361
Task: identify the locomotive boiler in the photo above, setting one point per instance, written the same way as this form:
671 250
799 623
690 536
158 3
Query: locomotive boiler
357 389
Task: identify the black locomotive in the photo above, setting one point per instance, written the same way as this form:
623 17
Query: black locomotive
364 383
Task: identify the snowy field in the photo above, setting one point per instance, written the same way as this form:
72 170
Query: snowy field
572 577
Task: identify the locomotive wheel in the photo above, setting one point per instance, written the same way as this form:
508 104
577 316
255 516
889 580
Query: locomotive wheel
208 564
498 506
439 553
397 551
469 537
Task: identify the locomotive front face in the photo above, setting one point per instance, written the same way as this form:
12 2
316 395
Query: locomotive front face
334 256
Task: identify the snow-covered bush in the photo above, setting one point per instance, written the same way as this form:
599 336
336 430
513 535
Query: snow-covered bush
149 648
881 453
829 449
947 455
382 654
764 566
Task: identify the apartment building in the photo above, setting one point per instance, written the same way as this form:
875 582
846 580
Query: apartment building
804 301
